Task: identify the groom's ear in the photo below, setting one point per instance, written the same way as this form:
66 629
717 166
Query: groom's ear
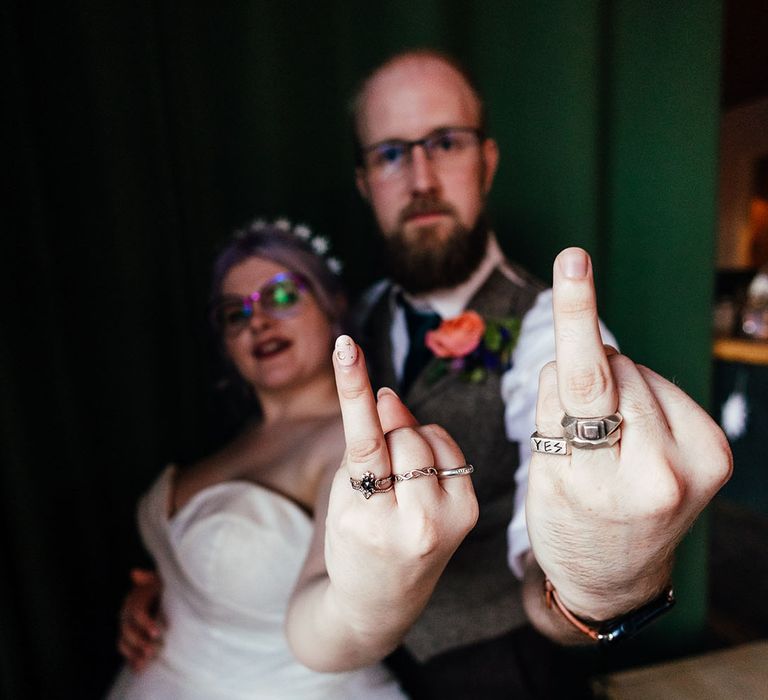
362 183
490 151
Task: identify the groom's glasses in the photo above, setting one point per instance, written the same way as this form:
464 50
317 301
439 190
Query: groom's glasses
278 298
444 148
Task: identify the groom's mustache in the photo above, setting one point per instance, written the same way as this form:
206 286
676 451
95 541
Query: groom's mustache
424 205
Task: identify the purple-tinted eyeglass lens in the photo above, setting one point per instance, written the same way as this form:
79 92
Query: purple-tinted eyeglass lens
278 298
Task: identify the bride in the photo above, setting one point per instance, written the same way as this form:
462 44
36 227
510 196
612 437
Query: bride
239 539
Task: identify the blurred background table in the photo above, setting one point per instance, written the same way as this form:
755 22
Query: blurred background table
740 350
739 672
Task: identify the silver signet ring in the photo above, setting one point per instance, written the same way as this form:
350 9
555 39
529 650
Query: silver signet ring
592 433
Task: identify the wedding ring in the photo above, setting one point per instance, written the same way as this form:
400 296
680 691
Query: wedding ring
549 445
592 433
415 474
458 471
369 484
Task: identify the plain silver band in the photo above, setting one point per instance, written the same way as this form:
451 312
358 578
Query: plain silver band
458 471
415 474
549 445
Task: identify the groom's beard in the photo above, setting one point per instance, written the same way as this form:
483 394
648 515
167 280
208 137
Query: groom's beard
424 258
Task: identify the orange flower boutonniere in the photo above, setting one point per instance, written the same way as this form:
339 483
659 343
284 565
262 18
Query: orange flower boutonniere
456 337
471 346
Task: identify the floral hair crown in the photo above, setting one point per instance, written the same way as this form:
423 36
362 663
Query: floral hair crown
320 245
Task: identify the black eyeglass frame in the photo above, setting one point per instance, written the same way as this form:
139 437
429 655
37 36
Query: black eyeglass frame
363 151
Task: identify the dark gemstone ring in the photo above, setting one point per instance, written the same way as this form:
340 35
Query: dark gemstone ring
369 484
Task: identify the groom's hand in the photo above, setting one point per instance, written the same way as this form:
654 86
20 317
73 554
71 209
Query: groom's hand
604 522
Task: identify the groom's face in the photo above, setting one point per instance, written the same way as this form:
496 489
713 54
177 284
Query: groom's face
429 208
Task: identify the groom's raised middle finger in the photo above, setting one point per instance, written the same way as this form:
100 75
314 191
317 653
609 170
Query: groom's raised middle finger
585 384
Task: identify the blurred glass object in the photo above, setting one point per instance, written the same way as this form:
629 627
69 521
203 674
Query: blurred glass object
754 317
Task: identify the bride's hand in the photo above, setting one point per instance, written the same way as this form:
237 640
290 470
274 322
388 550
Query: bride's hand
141 625
384 553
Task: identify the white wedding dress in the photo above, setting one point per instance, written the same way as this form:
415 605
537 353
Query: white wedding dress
229 560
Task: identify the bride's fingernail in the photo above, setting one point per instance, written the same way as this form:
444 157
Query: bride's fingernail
346 350
385 391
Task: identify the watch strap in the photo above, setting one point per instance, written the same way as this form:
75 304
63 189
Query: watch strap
617 628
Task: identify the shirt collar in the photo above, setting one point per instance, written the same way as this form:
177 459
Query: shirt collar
451 301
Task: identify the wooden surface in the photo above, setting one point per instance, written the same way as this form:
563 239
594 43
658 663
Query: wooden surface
739 350
738 673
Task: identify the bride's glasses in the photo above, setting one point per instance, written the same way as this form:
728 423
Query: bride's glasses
278 298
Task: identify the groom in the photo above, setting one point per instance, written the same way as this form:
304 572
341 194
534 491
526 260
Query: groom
442 329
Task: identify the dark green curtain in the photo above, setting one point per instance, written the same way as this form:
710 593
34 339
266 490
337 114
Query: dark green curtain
136 136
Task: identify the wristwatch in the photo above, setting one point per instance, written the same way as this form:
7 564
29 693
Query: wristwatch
617 628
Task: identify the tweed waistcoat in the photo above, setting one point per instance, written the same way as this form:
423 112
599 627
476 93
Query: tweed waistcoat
477 596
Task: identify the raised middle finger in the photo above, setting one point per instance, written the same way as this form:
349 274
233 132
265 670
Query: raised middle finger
585 384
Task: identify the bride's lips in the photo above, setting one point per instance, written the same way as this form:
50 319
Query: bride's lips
271 347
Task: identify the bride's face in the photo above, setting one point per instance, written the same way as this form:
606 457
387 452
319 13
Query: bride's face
273 330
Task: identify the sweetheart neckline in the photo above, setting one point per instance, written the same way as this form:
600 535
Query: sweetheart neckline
170 519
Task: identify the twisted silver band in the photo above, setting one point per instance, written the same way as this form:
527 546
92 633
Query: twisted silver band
369 484
458 471
415 474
